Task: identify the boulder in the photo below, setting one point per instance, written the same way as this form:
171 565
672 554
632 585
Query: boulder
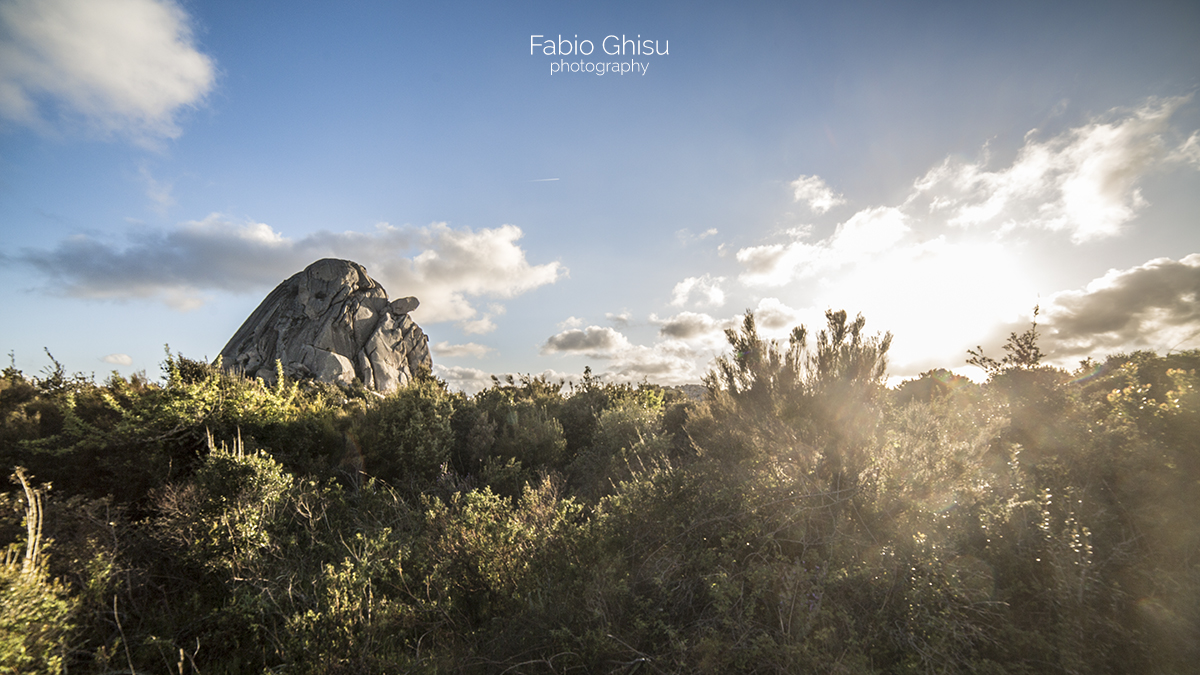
334 323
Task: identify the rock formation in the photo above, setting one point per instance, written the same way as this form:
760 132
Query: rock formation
334 323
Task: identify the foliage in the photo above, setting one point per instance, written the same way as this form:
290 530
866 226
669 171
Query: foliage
801 518
407 436
36 611
1022 351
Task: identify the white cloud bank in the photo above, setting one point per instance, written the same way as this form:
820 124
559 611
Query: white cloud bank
667 362
941 269
686 344
1083 182
118 359
123 66
1155 306
868 232
446 268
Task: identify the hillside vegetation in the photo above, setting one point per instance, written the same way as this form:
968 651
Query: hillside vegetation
800 518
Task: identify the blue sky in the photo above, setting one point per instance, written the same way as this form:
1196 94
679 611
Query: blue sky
939 167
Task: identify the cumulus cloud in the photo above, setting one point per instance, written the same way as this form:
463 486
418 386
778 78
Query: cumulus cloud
446 350
667 362
938 271
705 334
707 287
593 341
813 190
620 320
446 268
933 271
123 66
691 326
867 233
118 359
469 380
687 342
481 326
1084 182
771 314
454 264
1155 306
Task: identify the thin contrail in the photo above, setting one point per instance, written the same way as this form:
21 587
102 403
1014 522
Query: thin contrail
541 180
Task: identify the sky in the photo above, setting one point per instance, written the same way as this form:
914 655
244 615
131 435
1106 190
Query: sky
607 185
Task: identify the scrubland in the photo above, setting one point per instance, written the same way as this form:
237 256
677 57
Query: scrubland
801 517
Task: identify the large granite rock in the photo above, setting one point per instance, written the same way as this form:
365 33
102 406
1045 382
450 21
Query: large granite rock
334 323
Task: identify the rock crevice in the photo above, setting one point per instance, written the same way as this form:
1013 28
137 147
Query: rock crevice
334 323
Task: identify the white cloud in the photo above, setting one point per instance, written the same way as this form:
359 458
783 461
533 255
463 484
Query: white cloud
118 359
571 322
687 342
620 320
707 287
1084 182
459 263
866 234
593 341
667 362
813 190
686 345
124 66
1155 306
691 326
469 380
480 326
686 237
448 351
772 315
935 294
918 270
446 268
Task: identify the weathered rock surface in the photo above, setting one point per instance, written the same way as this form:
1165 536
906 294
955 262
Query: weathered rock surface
334 323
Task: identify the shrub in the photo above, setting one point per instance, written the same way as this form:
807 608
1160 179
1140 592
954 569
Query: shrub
407 437
36 612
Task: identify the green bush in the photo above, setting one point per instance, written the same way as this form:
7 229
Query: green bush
36 612
408 437
801 518
35 621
